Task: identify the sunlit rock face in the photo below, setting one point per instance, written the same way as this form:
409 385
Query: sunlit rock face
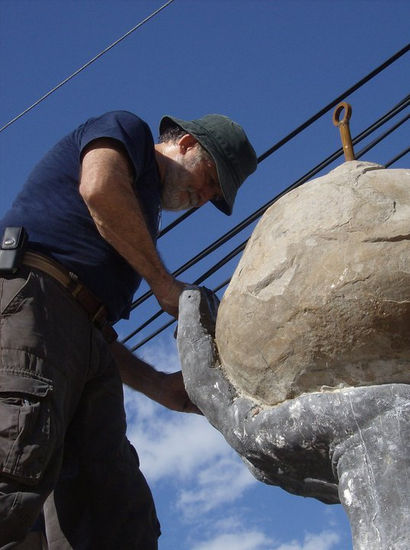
321 296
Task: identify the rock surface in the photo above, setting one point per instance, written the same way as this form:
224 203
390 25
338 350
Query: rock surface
321 297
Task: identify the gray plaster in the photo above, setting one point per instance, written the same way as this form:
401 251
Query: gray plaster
347 445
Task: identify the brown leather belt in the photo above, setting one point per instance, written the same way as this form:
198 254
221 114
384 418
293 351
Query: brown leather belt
91 304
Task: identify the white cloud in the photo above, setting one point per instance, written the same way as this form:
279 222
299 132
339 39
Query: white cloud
172 445
321 541
228 524
223 480
163 355
256 540
184 447
187 448
251 540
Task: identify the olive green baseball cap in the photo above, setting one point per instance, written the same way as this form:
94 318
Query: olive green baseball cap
228 145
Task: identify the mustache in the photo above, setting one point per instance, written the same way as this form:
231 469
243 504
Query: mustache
172 200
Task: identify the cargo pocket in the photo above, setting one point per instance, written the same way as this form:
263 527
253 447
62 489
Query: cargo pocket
25 425
14 293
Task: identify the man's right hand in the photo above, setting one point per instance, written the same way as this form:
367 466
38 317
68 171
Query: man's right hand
168 293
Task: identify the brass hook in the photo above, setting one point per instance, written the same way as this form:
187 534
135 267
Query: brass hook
344 128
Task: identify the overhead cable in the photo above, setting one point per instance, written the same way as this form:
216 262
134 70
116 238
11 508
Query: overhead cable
308 122
382 136
318 168
172 321
398 157
332 104
197 282
306 177
227 281
227 236
153 14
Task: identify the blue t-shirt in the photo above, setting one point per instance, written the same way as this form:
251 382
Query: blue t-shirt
58 222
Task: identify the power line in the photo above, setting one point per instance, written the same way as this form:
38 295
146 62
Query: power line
153 14
337 100
397 157
306 177
245 223
197 282
227 281
227 236
382 136
308 122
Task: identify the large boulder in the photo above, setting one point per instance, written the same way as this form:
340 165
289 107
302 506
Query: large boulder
320 299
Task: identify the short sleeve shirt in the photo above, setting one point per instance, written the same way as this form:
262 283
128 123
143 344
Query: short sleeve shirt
58 222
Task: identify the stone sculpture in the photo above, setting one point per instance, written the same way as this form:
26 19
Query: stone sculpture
308 373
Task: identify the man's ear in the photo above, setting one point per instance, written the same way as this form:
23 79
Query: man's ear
186 142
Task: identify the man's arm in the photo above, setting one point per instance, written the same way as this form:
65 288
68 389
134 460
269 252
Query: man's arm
166 389
106 187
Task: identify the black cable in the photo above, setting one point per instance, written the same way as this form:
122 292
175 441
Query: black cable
340 98
238 249
203 277
197 282
318 168
242 225
225 283
176 222
153 14
144 325
221 263
405 102
397 157
310 121
172 321
382 136
151 336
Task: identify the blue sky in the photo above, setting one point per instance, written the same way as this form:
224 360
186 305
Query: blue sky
269 65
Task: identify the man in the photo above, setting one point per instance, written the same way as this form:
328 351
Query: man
91 209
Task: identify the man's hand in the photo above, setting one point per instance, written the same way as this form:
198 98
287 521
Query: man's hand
168 295
173 394
166 389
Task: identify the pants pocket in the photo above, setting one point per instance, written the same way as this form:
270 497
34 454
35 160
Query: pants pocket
25 425
14 292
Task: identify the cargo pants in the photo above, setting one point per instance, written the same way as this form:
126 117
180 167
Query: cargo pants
62 427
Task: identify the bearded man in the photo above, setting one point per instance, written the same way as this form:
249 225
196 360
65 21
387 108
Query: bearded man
91 209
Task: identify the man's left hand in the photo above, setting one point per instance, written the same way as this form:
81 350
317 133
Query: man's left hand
167 389
172 394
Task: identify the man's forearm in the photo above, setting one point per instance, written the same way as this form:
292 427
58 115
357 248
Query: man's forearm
166 389
106 187
136 373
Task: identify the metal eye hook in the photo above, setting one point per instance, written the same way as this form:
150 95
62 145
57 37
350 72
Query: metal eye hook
344 128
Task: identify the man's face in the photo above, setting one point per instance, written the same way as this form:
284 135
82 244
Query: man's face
190 181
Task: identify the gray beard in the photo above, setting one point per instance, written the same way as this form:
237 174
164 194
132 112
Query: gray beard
170 198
